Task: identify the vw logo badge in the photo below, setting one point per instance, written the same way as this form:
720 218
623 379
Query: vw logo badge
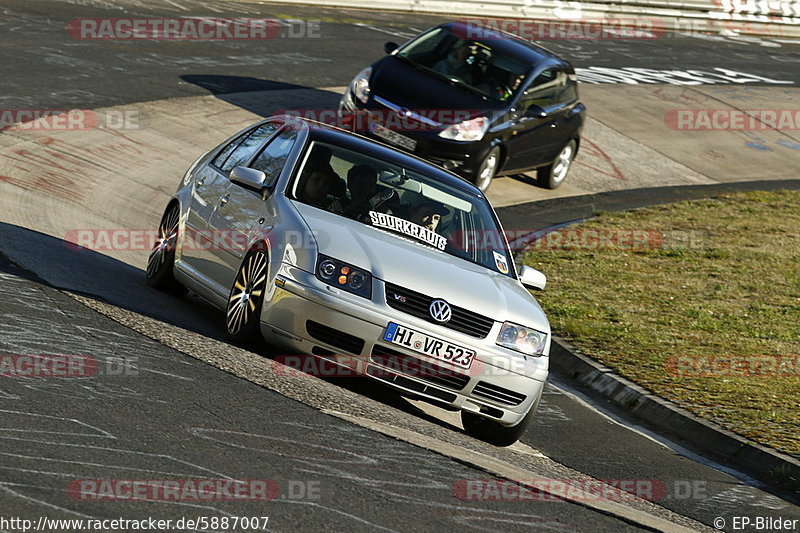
440 311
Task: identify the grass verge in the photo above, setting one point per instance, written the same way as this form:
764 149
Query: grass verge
697 301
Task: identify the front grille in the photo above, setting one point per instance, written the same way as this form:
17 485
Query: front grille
497 394
417 304
410 365
334 337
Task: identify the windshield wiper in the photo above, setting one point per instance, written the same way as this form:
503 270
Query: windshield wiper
452 80
464 85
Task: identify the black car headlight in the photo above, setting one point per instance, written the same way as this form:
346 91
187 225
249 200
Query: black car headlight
468 130
344 276
360 85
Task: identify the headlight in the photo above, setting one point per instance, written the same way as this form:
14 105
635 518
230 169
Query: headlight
469 130
360 85
344 276
521 339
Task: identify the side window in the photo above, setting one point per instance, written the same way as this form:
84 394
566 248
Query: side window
569 92
226 152
246 148
544 89
271 160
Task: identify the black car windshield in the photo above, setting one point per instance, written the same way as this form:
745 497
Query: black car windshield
471 63
403 202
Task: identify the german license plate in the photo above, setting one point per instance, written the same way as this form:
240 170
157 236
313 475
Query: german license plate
431 346
393 137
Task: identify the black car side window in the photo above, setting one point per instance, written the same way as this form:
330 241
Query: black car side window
544 90
271 160
245 149
569 91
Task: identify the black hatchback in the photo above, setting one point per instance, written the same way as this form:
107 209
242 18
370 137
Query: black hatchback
476 101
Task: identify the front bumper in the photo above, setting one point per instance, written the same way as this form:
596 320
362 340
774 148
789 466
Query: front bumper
310 317
462 157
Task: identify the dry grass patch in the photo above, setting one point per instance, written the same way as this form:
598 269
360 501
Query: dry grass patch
725 281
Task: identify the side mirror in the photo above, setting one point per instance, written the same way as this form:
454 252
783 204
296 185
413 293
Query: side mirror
532 278
249 177
390 47
535 111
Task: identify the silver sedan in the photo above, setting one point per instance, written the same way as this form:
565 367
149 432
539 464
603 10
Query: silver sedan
326 243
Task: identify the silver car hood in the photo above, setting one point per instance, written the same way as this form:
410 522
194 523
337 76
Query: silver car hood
413 265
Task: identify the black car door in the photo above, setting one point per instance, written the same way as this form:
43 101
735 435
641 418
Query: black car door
537 130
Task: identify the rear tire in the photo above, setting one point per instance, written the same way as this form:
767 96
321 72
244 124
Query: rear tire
161 263
246 299
553 174
492 432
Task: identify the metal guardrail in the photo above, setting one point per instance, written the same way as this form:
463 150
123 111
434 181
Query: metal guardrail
772 18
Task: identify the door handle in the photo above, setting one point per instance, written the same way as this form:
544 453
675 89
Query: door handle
224 199
201 182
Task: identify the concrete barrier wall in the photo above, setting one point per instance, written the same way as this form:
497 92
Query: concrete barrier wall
775 18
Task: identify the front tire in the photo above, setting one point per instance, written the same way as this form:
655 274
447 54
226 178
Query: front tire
553 174
490 431
488 169
246 299
161 263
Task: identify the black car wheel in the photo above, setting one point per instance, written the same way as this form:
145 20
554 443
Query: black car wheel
488 169
161 262
247 298
553 174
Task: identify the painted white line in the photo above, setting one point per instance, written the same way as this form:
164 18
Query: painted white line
506 470
177 5
582 399
211 7
401 34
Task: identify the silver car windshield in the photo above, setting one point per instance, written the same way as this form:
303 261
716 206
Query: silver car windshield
403 202
472 64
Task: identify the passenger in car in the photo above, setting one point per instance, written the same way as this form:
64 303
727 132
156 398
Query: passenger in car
316 187
500 84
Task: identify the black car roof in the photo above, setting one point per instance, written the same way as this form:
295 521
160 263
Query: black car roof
329 134
507 43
